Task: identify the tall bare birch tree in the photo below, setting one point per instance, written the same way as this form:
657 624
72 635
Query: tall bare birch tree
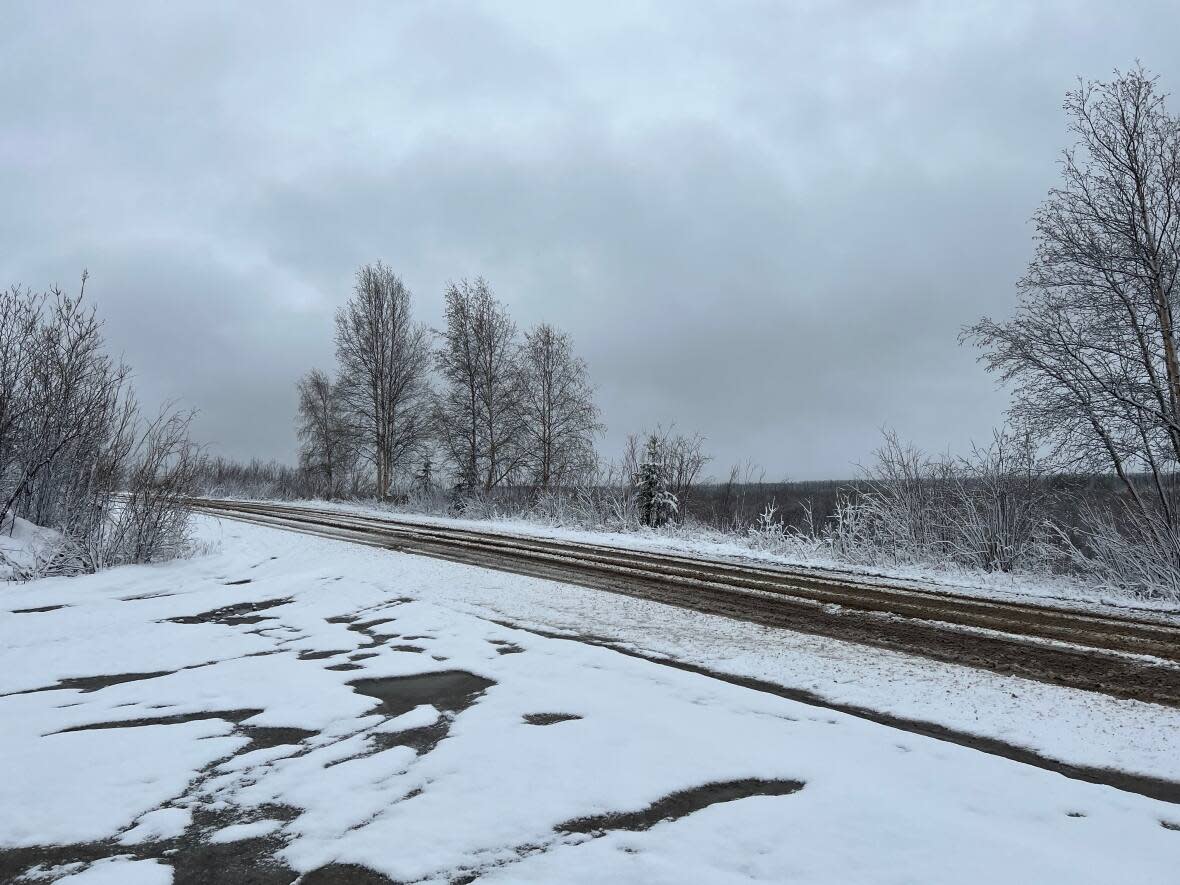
479 409
560 417
1091 353
325 438
384 357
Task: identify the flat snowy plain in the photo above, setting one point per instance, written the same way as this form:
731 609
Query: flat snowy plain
330 705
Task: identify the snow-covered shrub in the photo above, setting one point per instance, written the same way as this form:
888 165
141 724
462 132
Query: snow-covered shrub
71 443
1127 550
997 506
768 531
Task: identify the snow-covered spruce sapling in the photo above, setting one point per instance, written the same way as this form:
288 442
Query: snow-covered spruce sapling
656 504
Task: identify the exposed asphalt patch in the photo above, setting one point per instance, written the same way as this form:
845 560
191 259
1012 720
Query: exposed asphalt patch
549 718
450 690
1170 825
33 611
87 684
407 647
364 655
422 740
231 615
192 858
235 716
366 628
345 874
263 737
345 666
681 804
509 648
238 582
320 655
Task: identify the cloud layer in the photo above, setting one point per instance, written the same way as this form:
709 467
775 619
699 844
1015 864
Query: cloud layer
764 222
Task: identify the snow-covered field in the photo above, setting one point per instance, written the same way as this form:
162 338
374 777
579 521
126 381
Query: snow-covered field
333 705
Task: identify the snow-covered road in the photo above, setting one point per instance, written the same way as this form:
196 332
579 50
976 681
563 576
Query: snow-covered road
293 705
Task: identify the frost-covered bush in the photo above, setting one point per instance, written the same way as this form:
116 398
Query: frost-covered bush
72 441
1127 550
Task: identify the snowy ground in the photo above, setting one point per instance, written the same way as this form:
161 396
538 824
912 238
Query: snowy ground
702 541
333 705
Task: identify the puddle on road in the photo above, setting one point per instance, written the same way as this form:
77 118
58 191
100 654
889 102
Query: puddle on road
681 804
449 690
549 718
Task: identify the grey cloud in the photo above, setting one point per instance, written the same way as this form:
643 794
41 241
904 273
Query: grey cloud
765 222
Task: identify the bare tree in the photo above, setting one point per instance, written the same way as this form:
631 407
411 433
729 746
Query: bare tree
1091 354
479 411
560 417
384 358
326 446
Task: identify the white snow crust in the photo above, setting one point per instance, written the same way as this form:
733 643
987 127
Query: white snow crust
490 797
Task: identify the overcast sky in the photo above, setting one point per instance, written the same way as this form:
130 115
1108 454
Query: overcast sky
763 222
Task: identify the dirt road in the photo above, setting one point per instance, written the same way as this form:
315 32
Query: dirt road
1135 657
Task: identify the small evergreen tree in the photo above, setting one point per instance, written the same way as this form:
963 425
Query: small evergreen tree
656 504
424 479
